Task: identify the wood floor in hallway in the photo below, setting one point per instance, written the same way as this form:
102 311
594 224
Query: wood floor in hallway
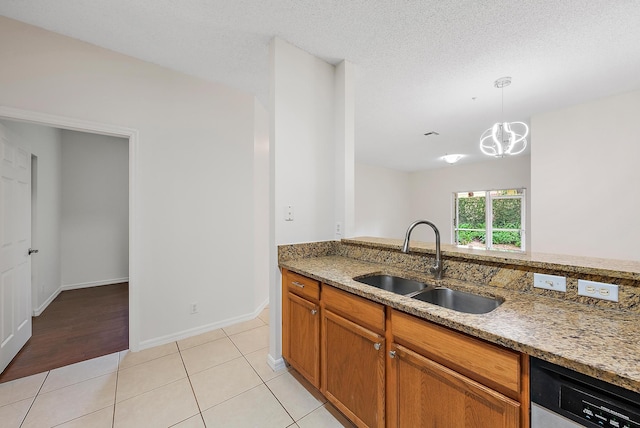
78 325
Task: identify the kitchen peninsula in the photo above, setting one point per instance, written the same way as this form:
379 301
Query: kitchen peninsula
595 337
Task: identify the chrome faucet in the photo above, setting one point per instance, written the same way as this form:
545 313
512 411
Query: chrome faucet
436 270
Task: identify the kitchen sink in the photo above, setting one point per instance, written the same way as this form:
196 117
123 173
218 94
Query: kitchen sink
392 283
459 300
451 299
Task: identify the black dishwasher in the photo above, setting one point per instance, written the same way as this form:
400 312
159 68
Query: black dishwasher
563 398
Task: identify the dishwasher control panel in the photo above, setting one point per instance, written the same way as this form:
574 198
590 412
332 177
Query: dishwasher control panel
573 396
598 411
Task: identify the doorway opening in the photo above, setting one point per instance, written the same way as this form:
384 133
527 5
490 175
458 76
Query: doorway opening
75 290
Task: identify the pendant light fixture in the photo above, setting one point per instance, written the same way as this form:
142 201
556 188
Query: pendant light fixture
504 138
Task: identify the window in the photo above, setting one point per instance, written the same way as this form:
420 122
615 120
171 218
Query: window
490 219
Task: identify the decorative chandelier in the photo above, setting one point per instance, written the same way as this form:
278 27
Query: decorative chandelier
504 138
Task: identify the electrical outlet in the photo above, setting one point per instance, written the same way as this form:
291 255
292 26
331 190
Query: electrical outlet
550 282
288 213
598 290
338 229
194 308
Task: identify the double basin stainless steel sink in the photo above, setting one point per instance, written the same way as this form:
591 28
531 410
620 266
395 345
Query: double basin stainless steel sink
451 299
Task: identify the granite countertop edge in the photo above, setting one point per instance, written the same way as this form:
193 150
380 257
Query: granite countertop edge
554 330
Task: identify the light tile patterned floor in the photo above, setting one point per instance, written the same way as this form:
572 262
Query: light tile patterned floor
217 379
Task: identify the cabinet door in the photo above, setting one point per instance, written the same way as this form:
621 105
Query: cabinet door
302 324
427 394
353 370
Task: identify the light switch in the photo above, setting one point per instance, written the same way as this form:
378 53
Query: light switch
550 282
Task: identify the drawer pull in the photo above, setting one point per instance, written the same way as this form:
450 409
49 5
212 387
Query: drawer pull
392 354
377 346
314 311
297 284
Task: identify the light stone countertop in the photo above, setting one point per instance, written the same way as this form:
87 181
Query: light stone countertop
598 342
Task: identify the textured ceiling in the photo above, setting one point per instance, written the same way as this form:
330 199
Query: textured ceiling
421 65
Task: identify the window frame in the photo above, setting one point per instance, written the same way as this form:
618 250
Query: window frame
489 229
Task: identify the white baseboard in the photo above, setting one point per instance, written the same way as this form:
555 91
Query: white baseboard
276 364
94 283
162 340
37 311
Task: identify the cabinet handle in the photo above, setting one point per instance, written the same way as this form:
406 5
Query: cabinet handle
297 284
314 311
377 346
392 354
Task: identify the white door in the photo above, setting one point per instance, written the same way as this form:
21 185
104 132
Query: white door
15 238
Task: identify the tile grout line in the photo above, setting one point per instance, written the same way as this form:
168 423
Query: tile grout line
243 355
98 410
195 397
39 392
157 387
76 382
267 386
76 418
265 383
281 405
323 404
153 389
147 361
34 399
115 394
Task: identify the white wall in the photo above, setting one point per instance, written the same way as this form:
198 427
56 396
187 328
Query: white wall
344 221
432 190
585 175
45 143
311 138
261 201
303 127
192 173
95 209
383 201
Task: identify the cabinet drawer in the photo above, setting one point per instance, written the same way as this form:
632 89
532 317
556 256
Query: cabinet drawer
301 285
354 308
491 365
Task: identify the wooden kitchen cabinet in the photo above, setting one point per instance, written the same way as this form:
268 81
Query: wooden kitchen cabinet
385 368
353 356
431 395
301 325
442 378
